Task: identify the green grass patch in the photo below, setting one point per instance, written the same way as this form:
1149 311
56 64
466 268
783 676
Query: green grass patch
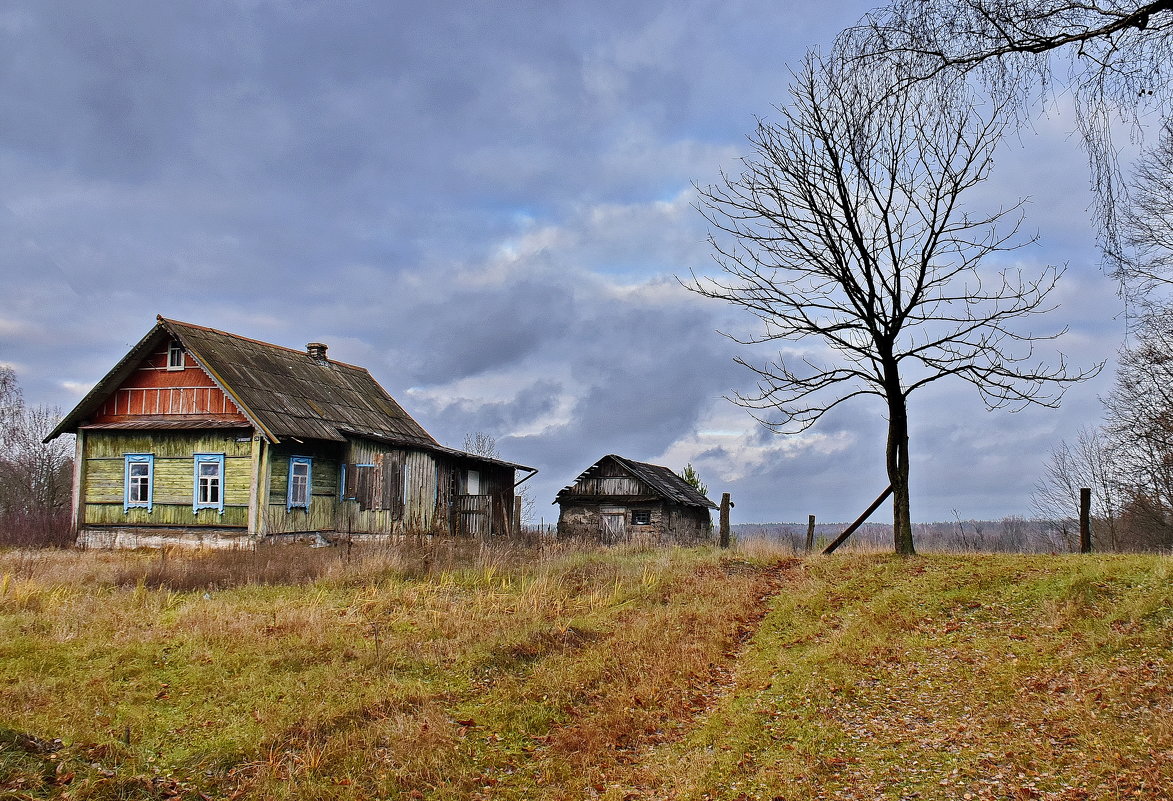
620 674
972 677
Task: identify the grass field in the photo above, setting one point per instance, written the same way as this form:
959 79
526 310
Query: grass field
463 672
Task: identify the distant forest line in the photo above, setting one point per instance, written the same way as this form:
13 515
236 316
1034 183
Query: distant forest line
1009 535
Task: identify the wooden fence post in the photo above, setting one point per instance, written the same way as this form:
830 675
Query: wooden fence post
723 540
1085 520
810 533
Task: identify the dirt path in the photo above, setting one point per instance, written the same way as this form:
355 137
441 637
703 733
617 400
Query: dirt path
722 680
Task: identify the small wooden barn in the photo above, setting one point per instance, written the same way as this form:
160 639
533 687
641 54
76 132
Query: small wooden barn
198 436
619 500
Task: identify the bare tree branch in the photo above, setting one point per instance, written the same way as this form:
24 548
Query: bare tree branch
1117 55
846 227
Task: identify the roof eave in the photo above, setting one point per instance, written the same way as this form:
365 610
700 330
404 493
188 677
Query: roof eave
101 390
433 446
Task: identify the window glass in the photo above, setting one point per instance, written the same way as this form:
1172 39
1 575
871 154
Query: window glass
138 489
300 468
641 517
474 483
208 492
175 356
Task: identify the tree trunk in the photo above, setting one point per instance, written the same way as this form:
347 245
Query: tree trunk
897 462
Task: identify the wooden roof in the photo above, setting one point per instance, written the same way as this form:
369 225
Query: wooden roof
290 394
284 393
661 480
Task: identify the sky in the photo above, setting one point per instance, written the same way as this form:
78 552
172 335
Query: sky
487 205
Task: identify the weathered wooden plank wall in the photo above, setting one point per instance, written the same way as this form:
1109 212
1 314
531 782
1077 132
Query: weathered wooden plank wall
323 489
174 479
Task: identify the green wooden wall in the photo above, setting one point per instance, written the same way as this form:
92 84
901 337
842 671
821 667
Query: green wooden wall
173 476
323 490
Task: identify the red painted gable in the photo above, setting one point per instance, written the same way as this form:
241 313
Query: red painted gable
153 391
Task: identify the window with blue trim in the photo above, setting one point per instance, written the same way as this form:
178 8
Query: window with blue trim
208 487
300 480
139 483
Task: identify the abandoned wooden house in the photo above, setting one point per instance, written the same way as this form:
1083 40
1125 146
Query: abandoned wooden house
618 500
198 436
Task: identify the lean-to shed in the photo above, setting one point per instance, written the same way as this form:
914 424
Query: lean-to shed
199 436
618 500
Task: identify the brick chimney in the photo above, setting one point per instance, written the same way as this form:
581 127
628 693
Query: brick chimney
316 351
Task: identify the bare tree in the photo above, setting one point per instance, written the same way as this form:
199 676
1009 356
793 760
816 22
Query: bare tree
1140 414
847 228
11 403
34 475
1148 226
1088 463
1116 52
481 444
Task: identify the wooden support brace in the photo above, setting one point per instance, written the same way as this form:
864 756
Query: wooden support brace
859 522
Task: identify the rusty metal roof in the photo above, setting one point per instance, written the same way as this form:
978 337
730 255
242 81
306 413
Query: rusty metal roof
660 479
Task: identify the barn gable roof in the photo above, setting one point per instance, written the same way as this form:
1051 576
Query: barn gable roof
662 480
283 392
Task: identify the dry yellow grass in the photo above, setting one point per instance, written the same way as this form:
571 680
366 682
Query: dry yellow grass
465 672
444 672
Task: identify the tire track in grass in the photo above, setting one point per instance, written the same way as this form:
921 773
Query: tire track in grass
720 683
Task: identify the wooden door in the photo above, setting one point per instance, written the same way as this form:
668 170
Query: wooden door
614 527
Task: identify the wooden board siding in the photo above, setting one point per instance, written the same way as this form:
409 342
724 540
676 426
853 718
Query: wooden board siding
615 486
323 490
411 491
400 493
497 483
421 485
104 477
153 391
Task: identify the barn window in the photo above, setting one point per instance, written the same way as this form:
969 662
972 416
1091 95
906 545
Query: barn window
174 356
300 477
641 517
473 484
139 486
208 492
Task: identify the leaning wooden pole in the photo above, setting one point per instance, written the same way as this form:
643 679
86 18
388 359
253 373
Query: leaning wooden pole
842 538
1085 520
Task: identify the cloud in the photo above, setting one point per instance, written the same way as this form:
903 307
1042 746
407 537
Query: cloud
485 209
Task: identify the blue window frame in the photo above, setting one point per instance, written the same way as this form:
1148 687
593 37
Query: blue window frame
342 481
139 481
301 476
208 482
